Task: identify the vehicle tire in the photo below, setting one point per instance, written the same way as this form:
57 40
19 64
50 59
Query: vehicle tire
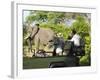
57 64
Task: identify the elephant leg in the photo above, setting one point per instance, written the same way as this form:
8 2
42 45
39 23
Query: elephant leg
29 45
37 45
31 52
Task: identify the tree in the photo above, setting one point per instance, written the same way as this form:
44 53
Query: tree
81 25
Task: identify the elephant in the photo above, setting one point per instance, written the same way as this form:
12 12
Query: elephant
40 37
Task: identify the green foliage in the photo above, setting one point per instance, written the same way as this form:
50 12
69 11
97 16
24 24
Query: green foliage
81 25
45 16
58 28
24 34
86 59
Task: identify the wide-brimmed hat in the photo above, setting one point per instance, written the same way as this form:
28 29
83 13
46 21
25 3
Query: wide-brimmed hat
59 34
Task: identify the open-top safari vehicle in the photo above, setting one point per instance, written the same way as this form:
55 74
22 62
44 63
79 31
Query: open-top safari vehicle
69 58
63 53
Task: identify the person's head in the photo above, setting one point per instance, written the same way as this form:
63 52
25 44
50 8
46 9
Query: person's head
73 32
69 37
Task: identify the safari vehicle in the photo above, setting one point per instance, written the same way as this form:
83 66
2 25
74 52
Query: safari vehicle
70 59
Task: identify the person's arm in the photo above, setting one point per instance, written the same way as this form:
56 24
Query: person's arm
72 39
